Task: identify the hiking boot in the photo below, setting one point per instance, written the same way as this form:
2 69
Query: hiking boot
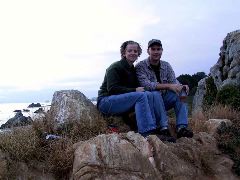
184 132
165 135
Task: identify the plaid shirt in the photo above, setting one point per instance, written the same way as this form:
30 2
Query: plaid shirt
147 78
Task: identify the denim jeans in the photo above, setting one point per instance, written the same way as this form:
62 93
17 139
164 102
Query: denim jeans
146 106
172 100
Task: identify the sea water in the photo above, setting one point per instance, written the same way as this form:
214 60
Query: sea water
6 110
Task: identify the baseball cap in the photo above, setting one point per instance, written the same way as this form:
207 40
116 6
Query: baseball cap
154 41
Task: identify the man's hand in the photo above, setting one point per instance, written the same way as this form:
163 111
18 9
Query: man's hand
140 89
175 87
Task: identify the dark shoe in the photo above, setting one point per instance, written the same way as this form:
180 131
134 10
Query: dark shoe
165 135
184 132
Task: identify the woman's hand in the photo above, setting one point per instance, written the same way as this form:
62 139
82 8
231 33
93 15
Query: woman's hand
140 89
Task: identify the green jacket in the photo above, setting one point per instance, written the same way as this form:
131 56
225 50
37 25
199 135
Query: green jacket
120 78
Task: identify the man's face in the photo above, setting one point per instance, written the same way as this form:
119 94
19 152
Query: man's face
131 53
155 53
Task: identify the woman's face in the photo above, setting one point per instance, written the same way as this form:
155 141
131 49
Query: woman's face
131 53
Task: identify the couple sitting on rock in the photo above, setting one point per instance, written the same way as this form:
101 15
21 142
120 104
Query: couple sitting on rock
150 87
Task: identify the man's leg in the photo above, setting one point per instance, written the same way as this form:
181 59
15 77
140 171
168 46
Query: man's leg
118 104
171 99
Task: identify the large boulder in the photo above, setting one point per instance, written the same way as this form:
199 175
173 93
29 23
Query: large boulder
130 156
227 70
72 105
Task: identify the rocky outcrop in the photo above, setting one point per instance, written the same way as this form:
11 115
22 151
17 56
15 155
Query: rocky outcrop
225 72
130 156
17 120
72 105
198 97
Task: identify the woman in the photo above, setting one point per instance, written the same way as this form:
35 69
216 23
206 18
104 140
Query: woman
120 93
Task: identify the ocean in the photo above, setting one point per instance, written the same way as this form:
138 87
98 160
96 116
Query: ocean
6 110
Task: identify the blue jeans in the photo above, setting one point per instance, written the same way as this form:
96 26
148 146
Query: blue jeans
172 100
146 104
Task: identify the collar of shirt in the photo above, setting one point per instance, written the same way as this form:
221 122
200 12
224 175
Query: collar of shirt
149 65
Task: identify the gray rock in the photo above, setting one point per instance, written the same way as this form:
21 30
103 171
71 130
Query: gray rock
198 97
72 105
212 125
229 60
227 69
17 120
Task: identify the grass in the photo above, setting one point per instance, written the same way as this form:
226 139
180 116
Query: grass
28 144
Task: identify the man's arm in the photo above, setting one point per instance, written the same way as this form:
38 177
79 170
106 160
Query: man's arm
143 79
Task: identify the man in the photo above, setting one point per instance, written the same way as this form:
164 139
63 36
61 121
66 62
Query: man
157 75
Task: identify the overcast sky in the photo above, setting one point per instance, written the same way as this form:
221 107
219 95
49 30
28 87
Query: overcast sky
49 45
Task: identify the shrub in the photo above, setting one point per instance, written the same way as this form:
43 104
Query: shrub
229 95
28 144
21 144
60 158
211 91
229 139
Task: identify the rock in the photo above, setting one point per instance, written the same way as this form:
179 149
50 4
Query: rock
26 110
198 97
39 110
34 105
114 157
17 120
228 65
72 105
130 156
17 110
212 125
226 71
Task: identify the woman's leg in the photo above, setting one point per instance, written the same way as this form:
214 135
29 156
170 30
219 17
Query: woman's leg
118 104
159 109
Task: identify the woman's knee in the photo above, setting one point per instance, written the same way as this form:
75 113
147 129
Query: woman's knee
141 95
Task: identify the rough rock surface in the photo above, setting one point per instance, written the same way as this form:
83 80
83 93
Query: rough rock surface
130 156
198 97
72 105
227 70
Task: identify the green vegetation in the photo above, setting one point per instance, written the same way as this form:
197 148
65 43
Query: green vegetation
191 81
225 104
229 141
211 92
229 95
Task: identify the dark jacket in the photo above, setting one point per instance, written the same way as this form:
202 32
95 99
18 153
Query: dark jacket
120 78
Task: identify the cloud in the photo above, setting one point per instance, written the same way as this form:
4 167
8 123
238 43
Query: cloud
44 43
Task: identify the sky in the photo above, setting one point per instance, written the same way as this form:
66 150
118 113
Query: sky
51 45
